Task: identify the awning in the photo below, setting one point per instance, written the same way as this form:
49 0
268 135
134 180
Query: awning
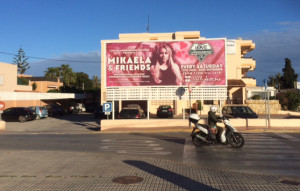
235 83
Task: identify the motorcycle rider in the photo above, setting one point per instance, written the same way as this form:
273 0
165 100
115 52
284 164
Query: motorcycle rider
213 119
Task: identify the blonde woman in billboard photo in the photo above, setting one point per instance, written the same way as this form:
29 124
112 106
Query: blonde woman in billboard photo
164 71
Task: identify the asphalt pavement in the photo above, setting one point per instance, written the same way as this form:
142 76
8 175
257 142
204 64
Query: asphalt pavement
60 170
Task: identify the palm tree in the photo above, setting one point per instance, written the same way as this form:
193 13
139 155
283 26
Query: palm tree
275 80
278 80
67 74
96 82
52 72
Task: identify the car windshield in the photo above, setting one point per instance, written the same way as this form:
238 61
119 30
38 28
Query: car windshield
129 111
164 107
31 109
243 110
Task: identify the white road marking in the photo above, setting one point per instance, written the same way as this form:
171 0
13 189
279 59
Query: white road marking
136 146
286 136
189 152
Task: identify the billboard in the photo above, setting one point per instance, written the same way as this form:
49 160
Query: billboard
168 63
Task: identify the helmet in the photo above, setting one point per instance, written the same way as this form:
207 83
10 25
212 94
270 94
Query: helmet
213 109
194 118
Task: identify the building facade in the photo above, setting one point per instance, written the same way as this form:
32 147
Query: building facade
15 95
237 66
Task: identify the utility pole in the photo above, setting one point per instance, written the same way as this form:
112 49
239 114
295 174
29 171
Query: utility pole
148 26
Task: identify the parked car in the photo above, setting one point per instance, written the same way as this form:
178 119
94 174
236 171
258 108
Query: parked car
21 114
238 112
81 107
131 113
55 110
41 112
74 107
136 106
164 111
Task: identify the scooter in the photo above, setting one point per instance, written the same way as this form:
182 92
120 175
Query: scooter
200 134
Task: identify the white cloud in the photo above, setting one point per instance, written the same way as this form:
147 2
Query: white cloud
89 63
273 47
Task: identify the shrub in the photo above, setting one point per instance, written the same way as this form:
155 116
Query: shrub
22 81
256 97
289 100
293 100
34 86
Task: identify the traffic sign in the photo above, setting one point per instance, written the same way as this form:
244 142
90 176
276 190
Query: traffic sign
2 105
107 107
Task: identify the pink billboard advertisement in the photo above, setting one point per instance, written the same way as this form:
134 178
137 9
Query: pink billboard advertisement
170 63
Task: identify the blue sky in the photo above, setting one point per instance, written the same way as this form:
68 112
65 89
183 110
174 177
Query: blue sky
72 29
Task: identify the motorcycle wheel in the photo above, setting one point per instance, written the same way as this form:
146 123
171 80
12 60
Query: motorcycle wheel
196 141
236 140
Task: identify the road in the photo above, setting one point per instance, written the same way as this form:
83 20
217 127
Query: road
70 153
266 153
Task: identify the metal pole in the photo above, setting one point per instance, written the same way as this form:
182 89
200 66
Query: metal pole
220 105
148 117
190 108
266 108
269 110
183 109
190 103
113 110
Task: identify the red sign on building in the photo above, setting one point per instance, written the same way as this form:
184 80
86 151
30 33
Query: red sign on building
170 63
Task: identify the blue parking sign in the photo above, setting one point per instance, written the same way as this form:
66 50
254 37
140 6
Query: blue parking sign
107 107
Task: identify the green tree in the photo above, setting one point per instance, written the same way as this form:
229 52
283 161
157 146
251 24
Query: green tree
83 82
64 71
289 100
53 72
22 81
21 61
96 82
68 76
34 86
289 75
275 80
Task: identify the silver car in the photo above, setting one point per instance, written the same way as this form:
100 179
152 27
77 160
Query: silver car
41 112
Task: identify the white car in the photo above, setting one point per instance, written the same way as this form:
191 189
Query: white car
80 107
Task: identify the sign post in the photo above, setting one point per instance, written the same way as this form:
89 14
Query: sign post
180 92
107 108
2 107
190 92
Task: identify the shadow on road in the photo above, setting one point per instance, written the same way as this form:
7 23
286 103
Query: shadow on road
178 140
174 178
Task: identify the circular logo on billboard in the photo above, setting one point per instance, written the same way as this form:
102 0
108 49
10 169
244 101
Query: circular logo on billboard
201 51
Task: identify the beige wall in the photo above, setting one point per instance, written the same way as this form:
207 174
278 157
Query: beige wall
45 86
9 75
23 103
259 106
182 125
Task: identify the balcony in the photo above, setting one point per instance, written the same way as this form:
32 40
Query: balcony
250 82
247 46
248 63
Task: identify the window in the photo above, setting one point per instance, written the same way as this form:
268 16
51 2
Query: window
208 102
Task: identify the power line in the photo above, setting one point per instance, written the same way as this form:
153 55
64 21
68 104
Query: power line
58 60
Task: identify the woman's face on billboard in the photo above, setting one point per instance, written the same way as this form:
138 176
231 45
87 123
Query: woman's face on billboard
163 55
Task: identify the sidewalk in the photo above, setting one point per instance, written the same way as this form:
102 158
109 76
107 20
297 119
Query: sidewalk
56 170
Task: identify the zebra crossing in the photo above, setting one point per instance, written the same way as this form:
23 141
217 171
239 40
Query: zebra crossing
136 147
261 152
